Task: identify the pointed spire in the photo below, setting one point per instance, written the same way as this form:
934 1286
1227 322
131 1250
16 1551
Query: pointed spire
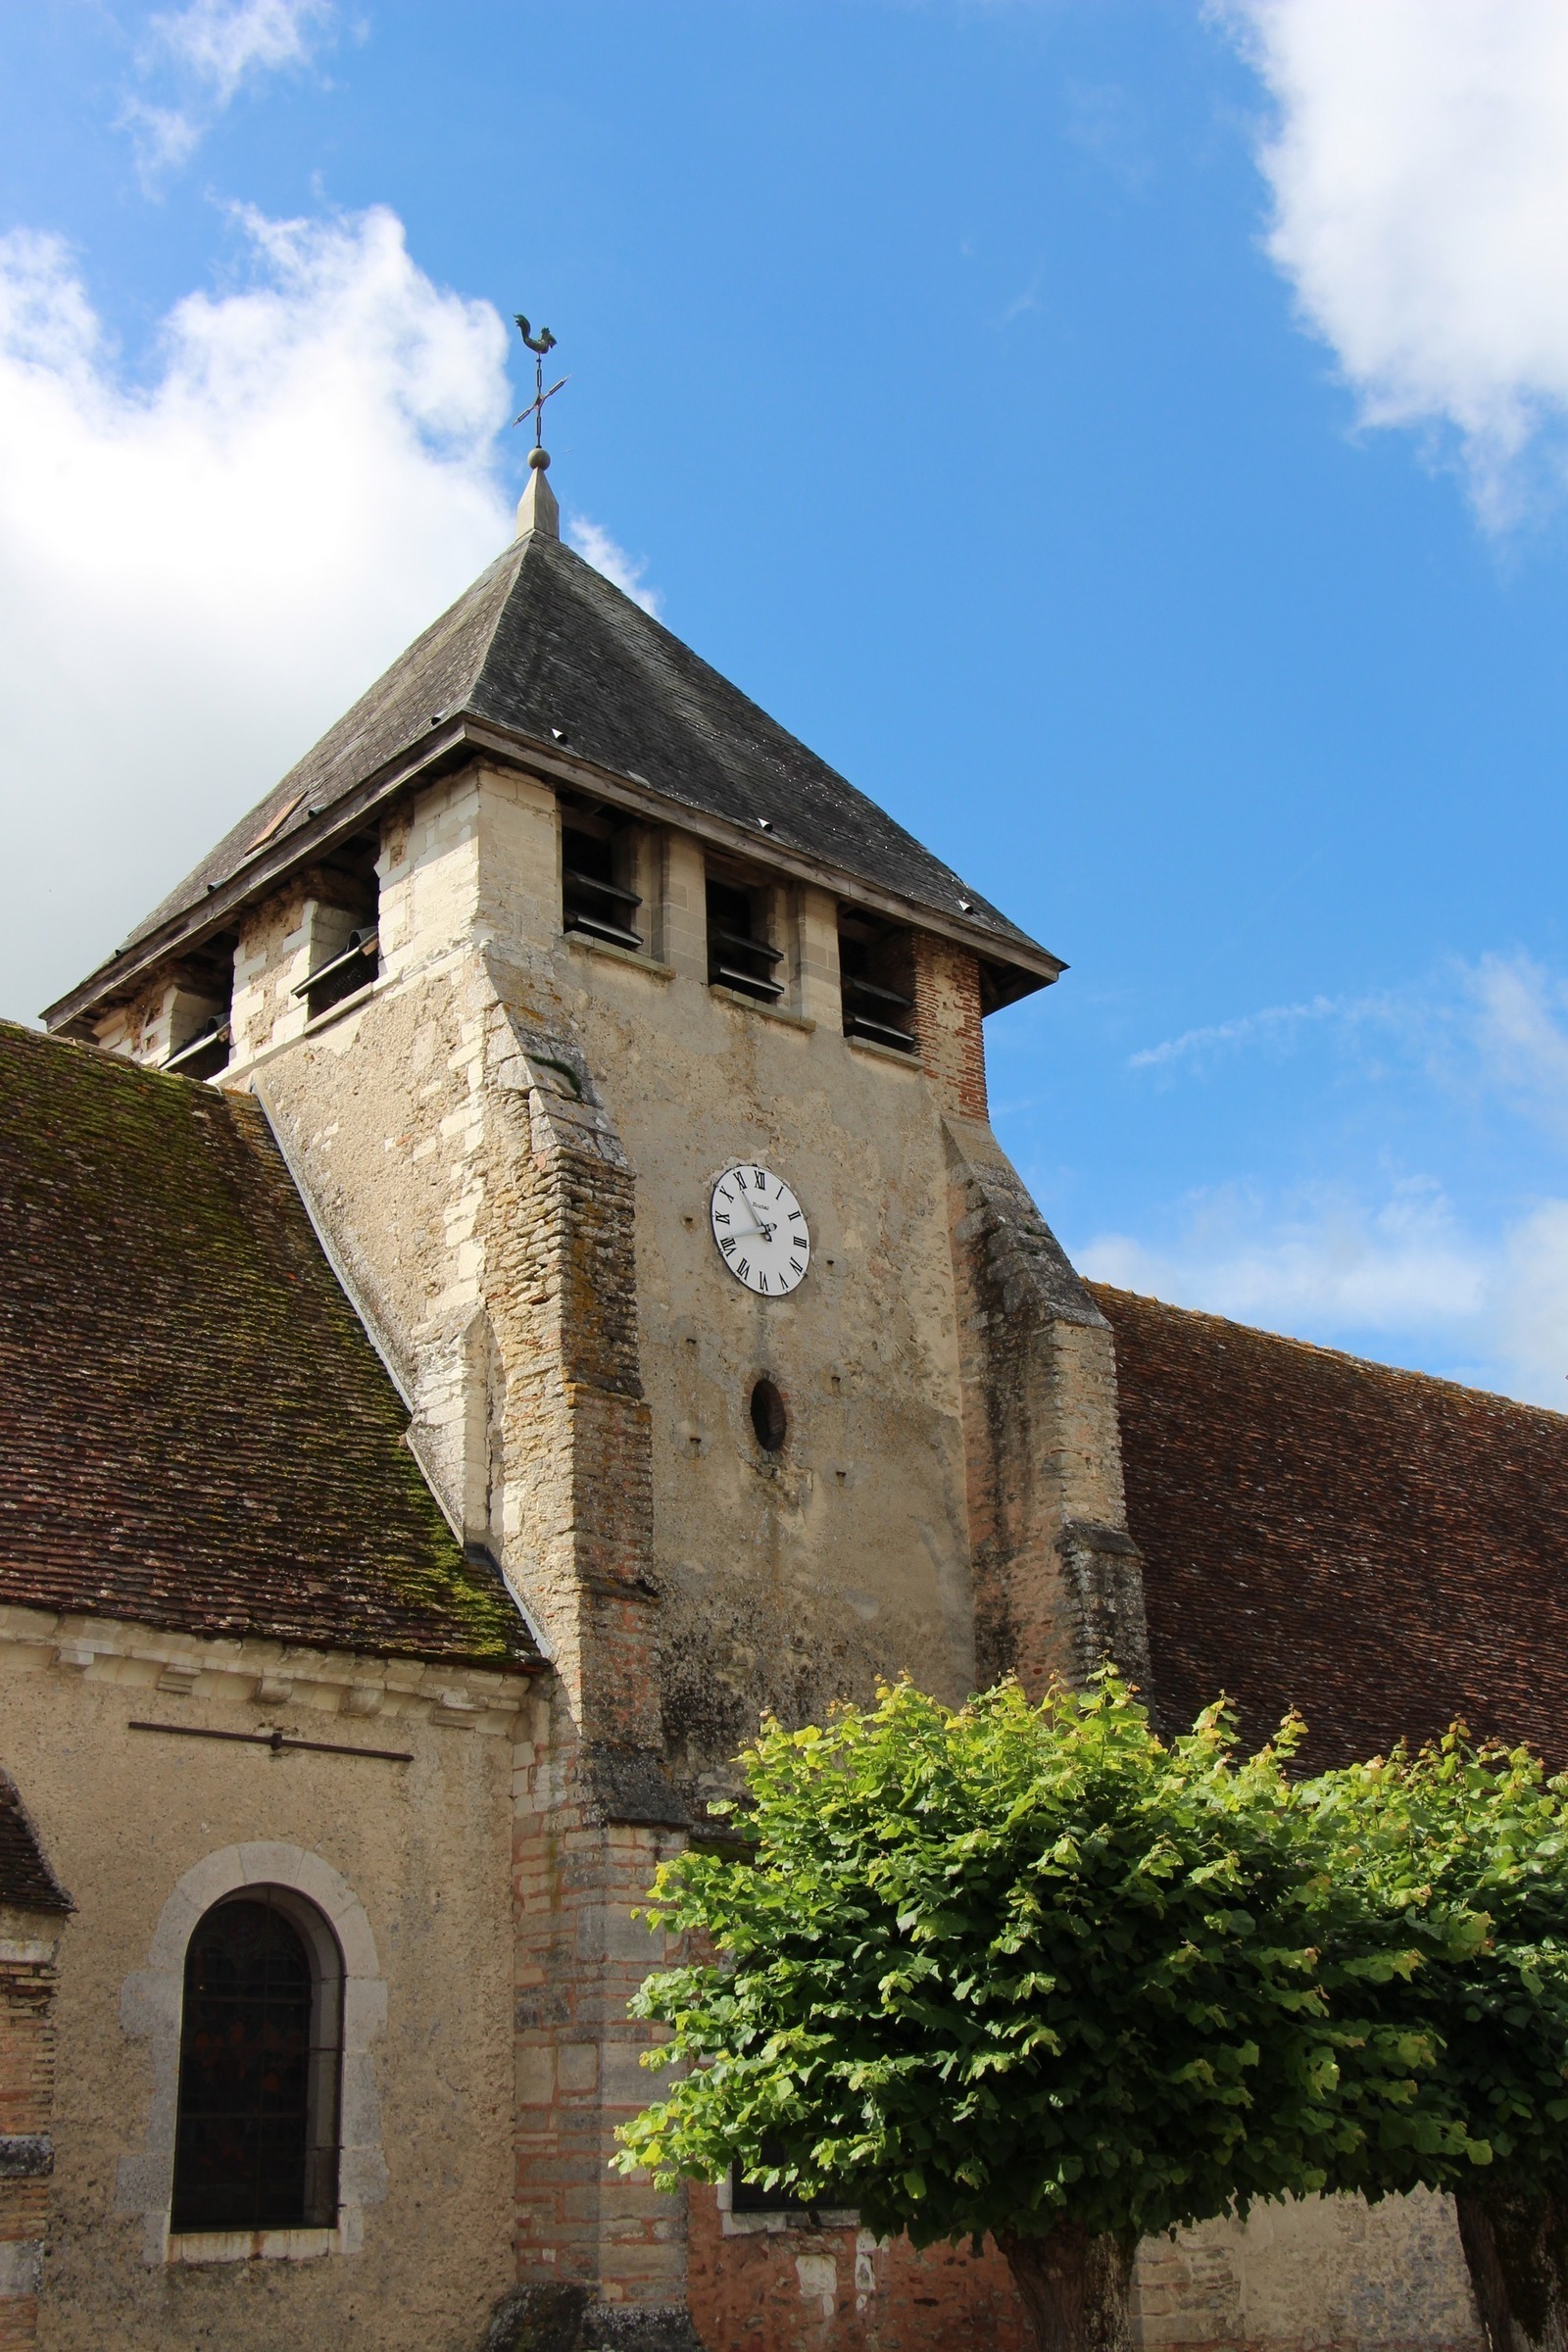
537 509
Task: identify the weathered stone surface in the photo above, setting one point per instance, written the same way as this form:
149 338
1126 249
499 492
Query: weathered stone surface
1056 1583
537 2318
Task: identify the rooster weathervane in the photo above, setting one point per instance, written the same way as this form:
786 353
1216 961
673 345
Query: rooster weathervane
538 344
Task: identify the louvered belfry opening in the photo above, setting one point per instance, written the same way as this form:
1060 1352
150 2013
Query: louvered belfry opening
345 927
876 979
200 1034
260 2062
597 870
740 954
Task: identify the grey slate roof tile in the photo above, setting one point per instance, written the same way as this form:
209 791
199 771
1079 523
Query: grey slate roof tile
541 642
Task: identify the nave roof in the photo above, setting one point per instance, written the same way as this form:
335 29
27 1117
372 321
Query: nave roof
1380 1550
195 1430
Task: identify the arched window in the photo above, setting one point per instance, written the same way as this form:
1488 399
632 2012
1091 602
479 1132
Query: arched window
260 2059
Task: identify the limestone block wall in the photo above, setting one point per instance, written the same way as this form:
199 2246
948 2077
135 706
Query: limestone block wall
452 1142
511 1144
418 1854
163 1015
1057 1579
1332 2274
786 1577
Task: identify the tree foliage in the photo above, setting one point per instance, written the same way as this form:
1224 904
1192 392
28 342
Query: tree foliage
1454 1826
1453 1830
1022 1966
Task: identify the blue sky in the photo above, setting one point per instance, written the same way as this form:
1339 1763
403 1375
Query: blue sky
1123 435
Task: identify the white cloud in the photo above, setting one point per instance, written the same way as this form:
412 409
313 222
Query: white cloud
1379 1275
1396 1269
201 567
215 48
1529 1307
1322 1262
165 138
1418 160
597 548
224 43
1277 1025
1496 1026
1517 1013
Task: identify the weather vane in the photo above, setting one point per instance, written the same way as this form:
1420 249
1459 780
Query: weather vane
538 344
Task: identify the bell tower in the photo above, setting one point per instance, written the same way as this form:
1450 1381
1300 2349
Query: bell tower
631 1065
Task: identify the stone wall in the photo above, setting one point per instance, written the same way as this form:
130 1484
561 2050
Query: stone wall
410 1862
1056 1583
1322 2275
511 1144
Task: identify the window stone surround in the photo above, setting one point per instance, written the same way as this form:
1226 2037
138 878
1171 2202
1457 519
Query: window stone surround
151 2000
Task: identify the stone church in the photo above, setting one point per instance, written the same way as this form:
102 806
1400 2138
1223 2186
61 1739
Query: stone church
505 1276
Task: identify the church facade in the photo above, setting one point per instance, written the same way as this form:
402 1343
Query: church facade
508 1278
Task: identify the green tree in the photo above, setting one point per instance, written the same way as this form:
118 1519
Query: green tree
1029 1970
1454 1827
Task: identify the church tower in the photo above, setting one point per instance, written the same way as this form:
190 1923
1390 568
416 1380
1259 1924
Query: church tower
632 1066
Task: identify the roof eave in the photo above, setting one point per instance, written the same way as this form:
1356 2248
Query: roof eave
1026 966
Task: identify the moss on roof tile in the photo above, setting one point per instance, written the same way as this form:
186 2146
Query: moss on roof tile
194 1429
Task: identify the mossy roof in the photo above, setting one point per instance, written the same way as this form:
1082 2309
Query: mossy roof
1380 1550
195 1430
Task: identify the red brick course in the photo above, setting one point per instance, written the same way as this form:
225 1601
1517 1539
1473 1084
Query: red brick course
26 2098
946 1020
772 2292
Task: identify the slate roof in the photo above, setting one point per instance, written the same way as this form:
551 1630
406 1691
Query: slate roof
27 1882
195 1430
541 642
1382 1550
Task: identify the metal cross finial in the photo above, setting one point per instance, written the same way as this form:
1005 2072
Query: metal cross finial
538 344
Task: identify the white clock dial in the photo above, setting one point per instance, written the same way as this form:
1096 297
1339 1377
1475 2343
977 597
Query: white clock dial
760 1230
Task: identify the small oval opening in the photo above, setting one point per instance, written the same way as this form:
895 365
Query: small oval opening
768 1418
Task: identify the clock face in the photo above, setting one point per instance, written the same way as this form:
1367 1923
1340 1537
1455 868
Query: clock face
760 1230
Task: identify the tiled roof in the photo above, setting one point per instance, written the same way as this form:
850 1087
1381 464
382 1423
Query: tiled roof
1382 1550
27 1882
195 1430
541 642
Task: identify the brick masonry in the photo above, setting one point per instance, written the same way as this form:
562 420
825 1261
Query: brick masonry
946 1020
800 2288
27 2102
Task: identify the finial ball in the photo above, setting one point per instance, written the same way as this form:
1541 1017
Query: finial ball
539 458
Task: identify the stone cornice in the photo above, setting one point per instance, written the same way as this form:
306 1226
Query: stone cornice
263 1678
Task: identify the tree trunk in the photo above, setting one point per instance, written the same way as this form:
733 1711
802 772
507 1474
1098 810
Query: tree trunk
1075 2286
1517 2250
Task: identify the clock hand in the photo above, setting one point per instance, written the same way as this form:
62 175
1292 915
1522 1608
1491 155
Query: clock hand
758 1227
